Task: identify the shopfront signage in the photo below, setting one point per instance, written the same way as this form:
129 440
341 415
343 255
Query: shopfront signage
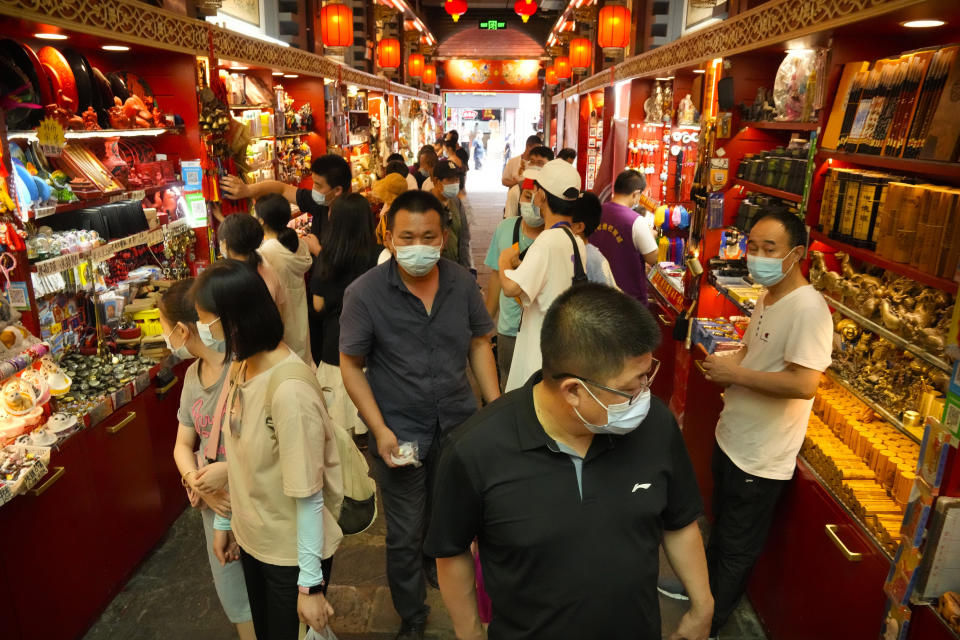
493 25
469 114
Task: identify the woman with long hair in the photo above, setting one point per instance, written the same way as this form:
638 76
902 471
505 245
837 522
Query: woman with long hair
283 465
349 250
290 258
240 237
204 478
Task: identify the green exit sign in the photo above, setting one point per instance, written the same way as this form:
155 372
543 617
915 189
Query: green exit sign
493 25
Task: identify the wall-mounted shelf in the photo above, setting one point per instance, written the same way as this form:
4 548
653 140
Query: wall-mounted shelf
770 191
897 267
876 408
928 168
782 126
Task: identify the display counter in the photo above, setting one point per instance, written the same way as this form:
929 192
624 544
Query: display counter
72 541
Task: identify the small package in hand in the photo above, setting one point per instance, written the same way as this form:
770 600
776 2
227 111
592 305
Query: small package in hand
407 454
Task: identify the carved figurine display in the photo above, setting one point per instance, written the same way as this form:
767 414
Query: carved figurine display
653 106
90 120
686 112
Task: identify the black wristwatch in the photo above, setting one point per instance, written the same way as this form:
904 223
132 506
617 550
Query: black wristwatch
313 590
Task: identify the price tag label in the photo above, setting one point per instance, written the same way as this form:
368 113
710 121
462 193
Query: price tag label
56 265
51 138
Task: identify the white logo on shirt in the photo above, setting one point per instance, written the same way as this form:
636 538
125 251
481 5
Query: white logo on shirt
645 485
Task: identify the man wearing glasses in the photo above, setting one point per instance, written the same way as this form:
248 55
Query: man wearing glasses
569 484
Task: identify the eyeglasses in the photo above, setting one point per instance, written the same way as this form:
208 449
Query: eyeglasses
645 383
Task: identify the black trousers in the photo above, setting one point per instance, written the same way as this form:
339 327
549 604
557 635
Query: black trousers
743 509
407 497
273 593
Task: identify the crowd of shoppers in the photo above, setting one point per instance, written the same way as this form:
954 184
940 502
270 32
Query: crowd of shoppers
563 490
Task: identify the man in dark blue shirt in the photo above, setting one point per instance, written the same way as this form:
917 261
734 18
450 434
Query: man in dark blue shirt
414 322
569 484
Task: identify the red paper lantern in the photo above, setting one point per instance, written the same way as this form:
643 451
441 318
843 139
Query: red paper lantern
388 53
561 67
580 53
550 76
455 8
415 65
613 27
429 74
336 25
524 8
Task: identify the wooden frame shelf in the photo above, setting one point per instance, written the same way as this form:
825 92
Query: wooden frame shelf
770 191
927 168
897 267
876 408
775 125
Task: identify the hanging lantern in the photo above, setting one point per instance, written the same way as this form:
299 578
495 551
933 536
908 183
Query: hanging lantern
580 53
455 8
524 8
429 74
613 27
550 76
415 65
561 67
336 25
388 53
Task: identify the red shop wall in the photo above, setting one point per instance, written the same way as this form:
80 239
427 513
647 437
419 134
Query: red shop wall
491 75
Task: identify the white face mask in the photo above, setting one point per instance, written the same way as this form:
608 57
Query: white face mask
622 418
530 214
206 336
451 190
418 259
181 352
319 197
768 271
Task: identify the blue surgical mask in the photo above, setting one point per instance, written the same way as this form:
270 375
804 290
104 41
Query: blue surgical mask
418 259
622 418
451 190
530 214
203 330
767 271
181 352
319 197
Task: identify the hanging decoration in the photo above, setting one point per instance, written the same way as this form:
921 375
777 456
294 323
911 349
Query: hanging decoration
550 76
580 50
562 67
429 74
336 25
455 8
388 53
613 27
525 8
415 65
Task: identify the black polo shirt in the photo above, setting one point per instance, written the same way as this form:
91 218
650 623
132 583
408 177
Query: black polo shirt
319 212
556 565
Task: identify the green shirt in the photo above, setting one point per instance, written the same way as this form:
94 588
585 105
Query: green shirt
508 322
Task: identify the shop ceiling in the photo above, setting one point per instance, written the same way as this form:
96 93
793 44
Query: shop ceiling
538 27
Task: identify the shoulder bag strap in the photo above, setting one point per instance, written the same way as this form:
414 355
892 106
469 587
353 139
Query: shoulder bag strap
579 275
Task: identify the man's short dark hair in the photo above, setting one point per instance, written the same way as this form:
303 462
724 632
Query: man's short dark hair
416 201
628 182
334 169
534 141
542 152
796 229
395 157
567 154
591 329
236 293
588 211
396 167
454 135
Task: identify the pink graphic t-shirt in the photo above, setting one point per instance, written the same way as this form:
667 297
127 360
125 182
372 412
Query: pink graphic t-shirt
198 405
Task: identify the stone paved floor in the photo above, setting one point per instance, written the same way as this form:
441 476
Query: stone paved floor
172 595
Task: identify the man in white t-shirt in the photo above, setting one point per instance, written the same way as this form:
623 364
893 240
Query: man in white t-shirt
513 170
537 157
770 384
547 269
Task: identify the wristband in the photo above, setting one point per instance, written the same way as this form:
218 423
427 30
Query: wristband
309 591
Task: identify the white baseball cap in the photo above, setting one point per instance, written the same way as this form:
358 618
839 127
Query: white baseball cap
559 178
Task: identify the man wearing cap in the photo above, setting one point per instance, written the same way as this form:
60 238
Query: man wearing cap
513 170
520 231
624 237
547 270
538 157
446 187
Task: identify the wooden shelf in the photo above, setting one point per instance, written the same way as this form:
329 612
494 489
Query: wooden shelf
876 408
872 257
255 106
926 168
880 330
97 202
770 191
782 126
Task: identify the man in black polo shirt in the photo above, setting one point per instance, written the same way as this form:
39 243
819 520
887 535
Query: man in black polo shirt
413 322
331 179
570 484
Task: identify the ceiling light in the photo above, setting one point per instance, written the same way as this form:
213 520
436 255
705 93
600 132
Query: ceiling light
277 73
923 24
238 68
50 36
115 47
699 70
291 75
